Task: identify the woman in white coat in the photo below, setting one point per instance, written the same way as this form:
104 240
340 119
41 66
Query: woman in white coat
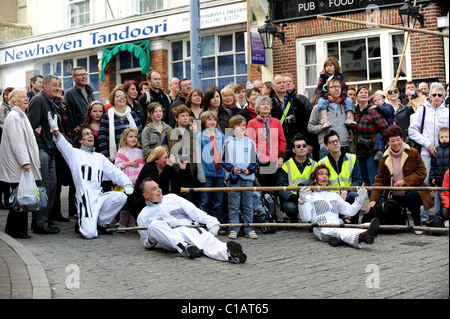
18 152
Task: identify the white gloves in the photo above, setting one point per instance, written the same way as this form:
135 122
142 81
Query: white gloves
303 193
53 122
128 190
214 230
362 194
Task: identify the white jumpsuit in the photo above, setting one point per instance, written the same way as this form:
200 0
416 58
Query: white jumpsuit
324 208
88 169
164 222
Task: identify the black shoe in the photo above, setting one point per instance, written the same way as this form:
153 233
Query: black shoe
103 230
236 254
46 230
369 235
4 206
193 251
334 241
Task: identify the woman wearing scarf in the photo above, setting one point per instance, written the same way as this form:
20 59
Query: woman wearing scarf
118 118
19 153
401 165
267 133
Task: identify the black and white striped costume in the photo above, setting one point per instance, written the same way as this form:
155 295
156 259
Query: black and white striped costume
324 208
88 169
165 220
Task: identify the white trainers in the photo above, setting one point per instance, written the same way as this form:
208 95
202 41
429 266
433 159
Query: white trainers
326 125
252 235
232 235
350 123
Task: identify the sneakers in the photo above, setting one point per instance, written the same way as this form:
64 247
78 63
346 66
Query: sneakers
420 232
369 235
378 156
350 123
252 235
193 251
237 256
232 235
326 125
334 241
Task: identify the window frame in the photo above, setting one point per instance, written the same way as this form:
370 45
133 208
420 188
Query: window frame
387 59
69 16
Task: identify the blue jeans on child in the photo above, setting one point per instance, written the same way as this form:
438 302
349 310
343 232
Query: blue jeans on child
211 202
323 103
380 144
234 202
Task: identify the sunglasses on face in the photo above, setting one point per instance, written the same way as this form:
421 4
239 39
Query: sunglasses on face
436 94
393 91
301 146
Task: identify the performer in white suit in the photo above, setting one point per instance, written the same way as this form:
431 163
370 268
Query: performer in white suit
166 218
95 208
324 207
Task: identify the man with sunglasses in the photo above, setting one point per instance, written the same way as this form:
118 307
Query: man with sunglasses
344 170
294 172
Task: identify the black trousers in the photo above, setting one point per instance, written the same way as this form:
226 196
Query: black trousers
16 222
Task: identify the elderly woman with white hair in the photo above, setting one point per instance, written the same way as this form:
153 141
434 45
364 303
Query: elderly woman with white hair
267 133
19 153
435 116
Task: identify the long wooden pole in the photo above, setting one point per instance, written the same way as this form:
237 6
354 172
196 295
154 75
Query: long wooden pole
306 226
381 25
399 69
249 44
318 188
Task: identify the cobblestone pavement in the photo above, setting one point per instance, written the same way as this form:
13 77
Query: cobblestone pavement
287 264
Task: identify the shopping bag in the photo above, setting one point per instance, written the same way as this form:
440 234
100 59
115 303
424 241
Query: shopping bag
28 192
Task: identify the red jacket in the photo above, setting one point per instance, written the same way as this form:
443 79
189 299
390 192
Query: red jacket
445 193
277 147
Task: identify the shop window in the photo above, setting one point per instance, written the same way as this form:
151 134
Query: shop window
63 70
79 12
223 59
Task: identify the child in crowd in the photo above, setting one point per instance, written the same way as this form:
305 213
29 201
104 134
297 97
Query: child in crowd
240 160
210 172
388 112
130 160
332 70
155 131
439 164
93 117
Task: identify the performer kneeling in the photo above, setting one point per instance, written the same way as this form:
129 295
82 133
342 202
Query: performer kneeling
324 207
167 217
95 208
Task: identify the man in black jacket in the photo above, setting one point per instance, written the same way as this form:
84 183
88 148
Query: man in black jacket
155 94
78 97
38 109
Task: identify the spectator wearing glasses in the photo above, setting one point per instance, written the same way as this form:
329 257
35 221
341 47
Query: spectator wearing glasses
402 112
336 115
344 170
78 97
296 171
436 117
184 88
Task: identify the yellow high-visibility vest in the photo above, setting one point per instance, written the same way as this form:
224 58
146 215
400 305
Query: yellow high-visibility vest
345 177
294 175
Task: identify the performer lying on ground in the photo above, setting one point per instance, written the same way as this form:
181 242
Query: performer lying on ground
95 208
166 217
324 207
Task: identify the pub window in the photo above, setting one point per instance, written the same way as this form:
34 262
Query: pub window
370 60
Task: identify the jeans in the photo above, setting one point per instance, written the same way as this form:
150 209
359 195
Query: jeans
211 202
369 169
234 202
425 214
323 103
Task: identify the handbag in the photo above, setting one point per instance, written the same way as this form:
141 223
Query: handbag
27 196
413 143
437 221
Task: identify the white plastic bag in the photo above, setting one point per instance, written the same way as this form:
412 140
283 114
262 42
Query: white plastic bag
28 193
